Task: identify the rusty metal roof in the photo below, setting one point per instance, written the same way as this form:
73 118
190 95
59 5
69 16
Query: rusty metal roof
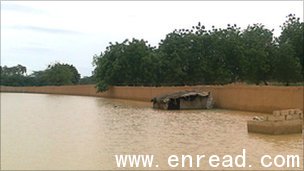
180 94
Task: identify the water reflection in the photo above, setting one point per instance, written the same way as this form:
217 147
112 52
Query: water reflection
71 132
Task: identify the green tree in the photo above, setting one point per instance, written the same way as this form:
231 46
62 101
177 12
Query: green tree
75 73
293 35
126 63
175 58
13 76
199 56
258 50
87 80
60 74
288 67
14 70
38 78
230 46
224 55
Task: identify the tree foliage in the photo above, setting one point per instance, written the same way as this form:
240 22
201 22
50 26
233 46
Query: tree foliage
293 35
200 56
55 74
61 74
87 80
259 46
13 76
288 67
127 63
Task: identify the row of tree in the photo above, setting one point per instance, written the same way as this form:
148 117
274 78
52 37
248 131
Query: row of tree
54 74
199 56
186 57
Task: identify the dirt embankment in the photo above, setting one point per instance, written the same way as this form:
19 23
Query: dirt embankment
236 97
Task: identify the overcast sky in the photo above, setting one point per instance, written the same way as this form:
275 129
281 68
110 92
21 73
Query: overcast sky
35 34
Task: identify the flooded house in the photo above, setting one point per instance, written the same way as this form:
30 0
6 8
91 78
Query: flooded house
183 100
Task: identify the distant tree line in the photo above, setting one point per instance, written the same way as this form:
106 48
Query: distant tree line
54 74
199 56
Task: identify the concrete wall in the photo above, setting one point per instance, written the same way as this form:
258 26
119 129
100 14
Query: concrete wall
236 97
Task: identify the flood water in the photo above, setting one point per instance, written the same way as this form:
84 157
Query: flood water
49 132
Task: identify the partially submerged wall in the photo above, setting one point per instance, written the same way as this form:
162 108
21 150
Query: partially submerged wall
275 128
236 97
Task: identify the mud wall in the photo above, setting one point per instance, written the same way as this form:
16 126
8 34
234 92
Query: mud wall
236 97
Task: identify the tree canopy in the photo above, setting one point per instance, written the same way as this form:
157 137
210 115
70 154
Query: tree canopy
13 76
199 56
54 74
127 63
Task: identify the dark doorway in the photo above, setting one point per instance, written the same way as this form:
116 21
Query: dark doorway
174 104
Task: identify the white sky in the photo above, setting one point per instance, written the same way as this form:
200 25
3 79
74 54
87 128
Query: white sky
35 34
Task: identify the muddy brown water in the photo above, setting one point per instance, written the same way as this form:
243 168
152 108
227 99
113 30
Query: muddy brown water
49 132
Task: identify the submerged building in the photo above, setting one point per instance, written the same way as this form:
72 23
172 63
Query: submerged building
184 100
